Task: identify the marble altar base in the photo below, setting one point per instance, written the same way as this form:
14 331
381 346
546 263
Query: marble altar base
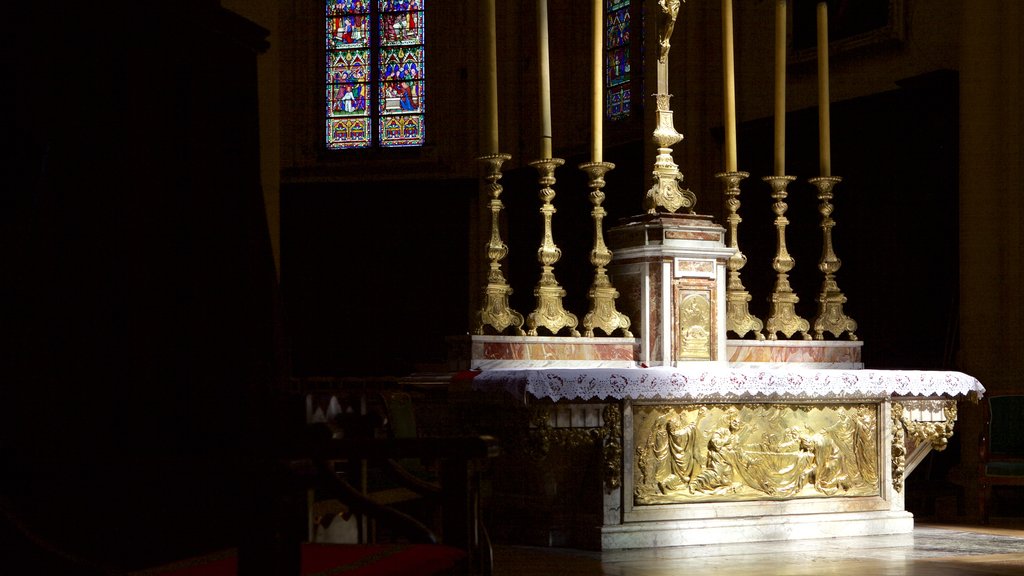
670 271
485 352
844 354
765 528
634 458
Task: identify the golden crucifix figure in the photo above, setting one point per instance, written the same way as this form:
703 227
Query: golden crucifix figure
669 11
666 193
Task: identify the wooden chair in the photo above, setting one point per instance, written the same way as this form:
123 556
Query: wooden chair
1001 447
275 545
407 484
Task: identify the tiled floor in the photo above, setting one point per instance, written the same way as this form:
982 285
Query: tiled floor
933 550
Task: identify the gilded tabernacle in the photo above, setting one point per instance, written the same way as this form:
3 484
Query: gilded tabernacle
699 452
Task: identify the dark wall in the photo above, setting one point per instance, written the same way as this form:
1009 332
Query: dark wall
360 260
375 275
572 224
139 330
895 211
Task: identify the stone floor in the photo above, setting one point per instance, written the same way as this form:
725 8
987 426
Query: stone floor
932 549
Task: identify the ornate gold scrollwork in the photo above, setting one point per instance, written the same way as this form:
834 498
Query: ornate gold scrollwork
937 433
613 446
899 448
666 192
695 452
608 437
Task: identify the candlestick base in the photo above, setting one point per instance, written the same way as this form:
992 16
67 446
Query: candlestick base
738 319
830 316
666 193
549 312
782 317
602 294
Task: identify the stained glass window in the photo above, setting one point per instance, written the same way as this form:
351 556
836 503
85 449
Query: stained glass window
617 83
375 89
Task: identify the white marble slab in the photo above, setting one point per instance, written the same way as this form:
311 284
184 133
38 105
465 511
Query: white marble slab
754 529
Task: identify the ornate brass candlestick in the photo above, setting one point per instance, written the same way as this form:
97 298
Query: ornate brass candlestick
737 316
496 312
549 312
782 317
602 294
666 192
830 302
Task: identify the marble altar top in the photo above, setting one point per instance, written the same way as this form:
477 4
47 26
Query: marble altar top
713 382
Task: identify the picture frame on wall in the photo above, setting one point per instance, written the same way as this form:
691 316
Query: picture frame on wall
853 25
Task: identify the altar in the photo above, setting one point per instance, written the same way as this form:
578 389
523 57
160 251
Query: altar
715 454
676 416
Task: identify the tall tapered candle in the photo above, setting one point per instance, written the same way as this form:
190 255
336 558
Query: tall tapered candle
824 136
597 112
730 87
490 112
780 87
545 79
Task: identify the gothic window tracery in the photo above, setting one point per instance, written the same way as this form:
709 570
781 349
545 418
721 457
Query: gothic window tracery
617 75
375 84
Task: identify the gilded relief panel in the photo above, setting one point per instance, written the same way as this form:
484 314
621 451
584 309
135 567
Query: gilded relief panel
694 320
734 452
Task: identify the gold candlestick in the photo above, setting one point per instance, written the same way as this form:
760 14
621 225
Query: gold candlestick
496 312
830 302
737 316
782 316
549 312
602 294
666 192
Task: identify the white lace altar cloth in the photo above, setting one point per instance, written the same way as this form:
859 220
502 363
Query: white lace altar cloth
711 383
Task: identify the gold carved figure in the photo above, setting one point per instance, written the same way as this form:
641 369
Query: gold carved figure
694 327
667 22
753 451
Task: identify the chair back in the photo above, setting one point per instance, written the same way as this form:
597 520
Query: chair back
1006 426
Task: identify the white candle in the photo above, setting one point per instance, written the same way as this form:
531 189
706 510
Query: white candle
730 87
780 87
490 138
545 79
824 137
597 113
